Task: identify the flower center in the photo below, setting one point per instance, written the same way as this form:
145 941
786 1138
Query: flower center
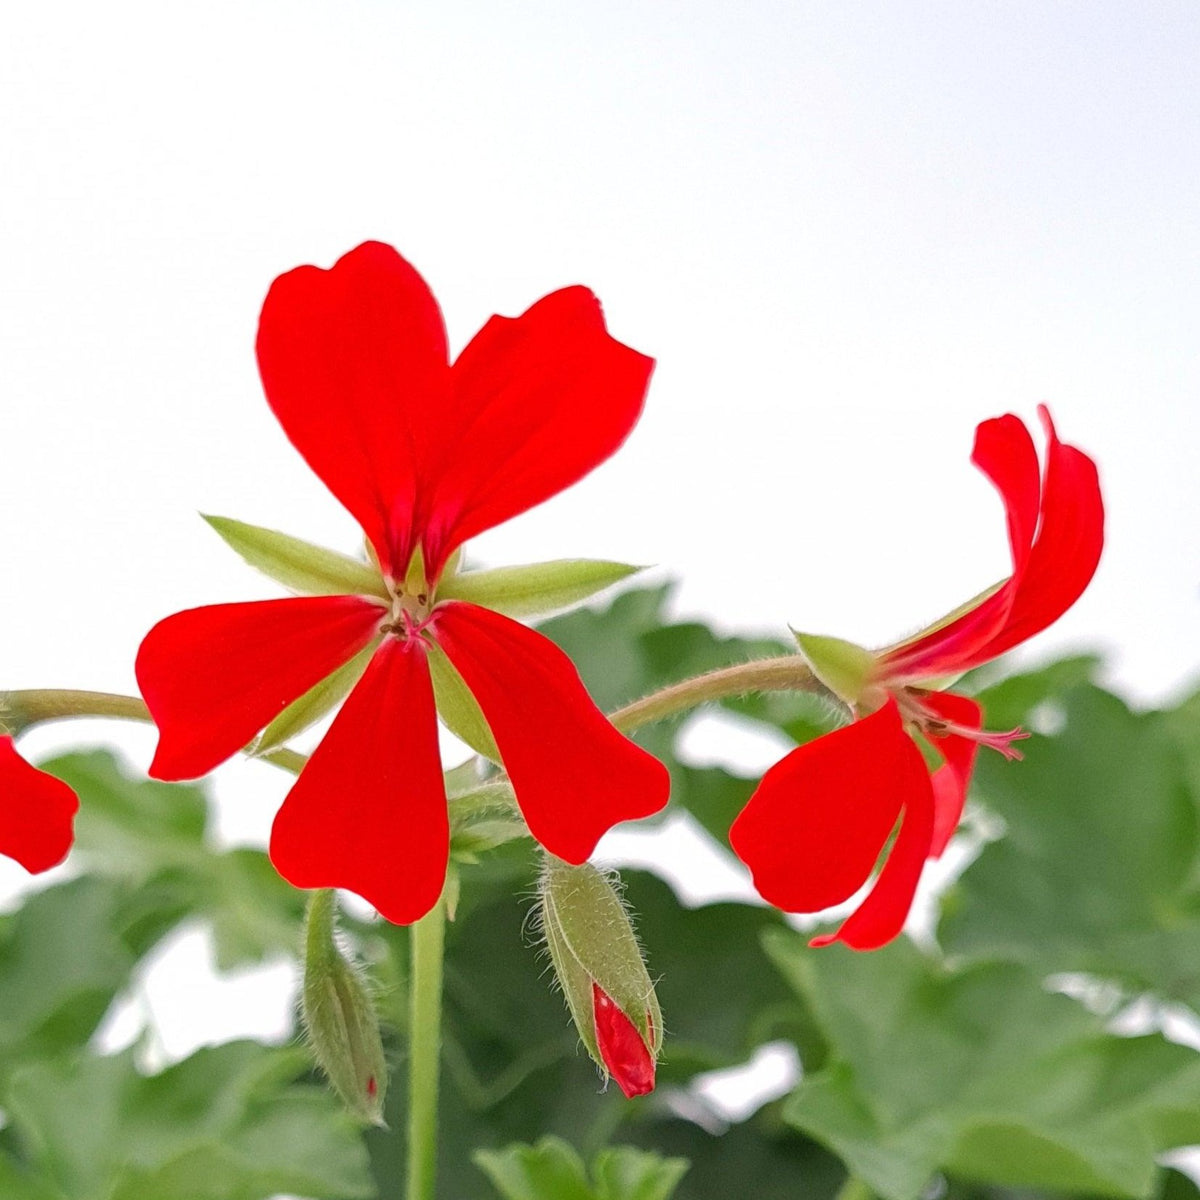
412 608
930 723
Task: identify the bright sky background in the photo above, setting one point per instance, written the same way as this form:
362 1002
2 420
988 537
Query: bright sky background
848 232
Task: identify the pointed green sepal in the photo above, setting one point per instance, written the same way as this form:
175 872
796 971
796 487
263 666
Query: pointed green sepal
843 667
314 704
298 564
535 589
591 942
458 709
339 1017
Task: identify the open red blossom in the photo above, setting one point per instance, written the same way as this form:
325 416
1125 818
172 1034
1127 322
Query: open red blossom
819 821
37 812
424 454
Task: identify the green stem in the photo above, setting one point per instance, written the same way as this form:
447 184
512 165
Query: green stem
790 673
425 1038
24 708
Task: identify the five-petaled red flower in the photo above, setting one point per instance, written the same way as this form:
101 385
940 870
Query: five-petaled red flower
815 827
424 454
37 812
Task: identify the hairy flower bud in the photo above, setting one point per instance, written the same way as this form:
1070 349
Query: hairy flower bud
339 1017
599 964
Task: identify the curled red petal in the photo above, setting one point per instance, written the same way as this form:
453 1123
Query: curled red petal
368 812
1005 453
1066 552
539 401
213 677
1056 534
574 775
881 916
37 812
952 779
813 830
628 1059
355 366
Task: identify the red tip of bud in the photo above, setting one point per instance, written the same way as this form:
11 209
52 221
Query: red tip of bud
625 1054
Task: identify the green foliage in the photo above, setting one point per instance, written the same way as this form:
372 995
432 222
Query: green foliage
982 1073
225 1124
985 1065
551 1170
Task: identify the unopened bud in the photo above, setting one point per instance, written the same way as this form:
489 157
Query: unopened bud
599 964
339 1017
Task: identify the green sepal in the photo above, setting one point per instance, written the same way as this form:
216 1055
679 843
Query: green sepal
942 622
314 704
535 589
591 940
298 564
339 1017
843 667
458 709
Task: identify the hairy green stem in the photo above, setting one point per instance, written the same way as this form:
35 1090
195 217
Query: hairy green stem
789 673
425 1041
24 708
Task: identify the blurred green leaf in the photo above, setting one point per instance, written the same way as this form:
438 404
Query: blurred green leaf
226 1124
981 1073
154 837
62 962
552 1170
1097 869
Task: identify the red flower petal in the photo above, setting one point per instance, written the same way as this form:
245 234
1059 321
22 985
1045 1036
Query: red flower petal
1067 549
626 1056
882 914
368 812
355 366
540 401
213 677
952 779
574 775
1056 532
813 830
1005 453
36 812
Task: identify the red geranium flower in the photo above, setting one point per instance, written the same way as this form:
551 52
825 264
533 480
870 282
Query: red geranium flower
815 827
424 454
37 812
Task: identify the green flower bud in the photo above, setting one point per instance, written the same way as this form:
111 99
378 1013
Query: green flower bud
339 1017
599 965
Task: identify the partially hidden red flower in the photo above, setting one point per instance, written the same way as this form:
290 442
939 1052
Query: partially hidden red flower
815 828
37 812
424 454
628 1059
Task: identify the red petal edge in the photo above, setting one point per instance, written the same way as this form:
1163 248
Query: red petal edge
355 366
813 830
627 1057
213 677
368 812
1067 550
540 400
37 812
953 778
574 775
1005 453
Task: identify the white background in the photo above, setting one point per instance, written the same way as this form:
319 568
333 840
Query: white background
848 232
